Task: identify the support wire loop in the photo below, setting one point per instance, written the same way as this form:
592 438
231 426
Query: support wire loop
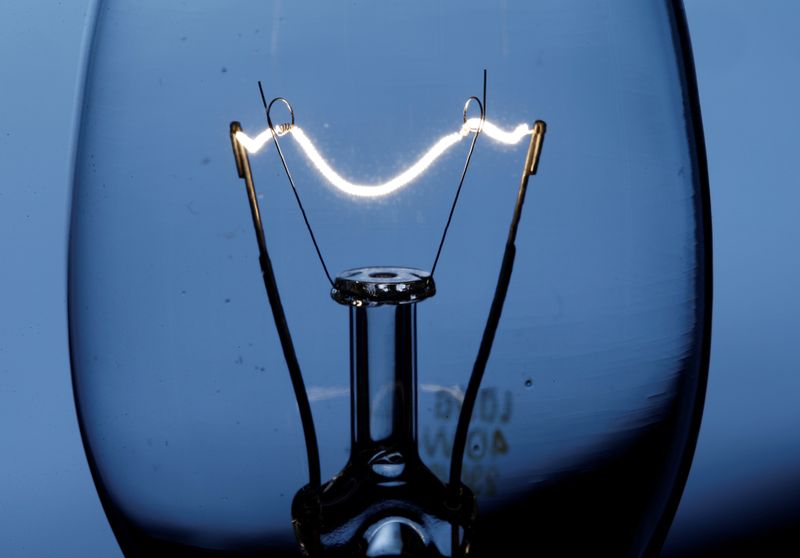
280 129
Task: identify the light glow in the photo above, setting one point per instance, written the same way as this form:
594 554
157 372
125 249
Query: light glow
253 145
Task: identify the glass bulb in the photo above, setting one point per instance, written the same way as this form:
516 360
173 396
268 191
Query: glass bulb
585 422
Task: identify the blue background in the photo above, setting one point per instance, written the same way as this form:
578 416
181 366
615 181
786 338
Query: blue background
746 474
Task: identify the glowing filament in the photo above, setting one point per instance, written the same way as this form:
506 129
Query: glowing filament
253 145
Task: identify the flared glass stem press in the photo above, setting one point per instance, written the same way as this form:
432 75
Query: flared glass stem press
385 502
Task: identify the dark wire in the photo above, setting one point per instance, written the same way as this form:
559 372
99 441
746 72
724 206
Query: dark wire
306 416
478 369
279 316
289 176
482 105
492 321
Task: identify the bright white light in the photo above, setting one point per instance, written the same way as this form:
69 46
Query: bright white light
374 190
253 145
509 138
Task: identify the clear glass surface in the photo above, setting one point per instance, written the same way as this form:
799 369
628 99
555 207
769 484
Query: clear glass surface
588 412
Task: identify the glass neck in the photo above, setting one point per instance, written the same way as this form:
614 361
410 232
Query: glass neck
383 376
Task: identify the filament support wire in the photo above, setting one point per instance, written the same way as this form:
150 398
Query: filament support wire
482 108
275 134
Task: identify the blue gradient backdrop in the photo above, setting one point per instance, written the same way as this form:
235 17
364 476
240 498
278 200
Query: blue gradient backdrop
746 475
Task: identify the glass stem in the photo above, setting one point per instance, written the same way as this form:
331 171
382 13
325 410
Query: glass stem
383 375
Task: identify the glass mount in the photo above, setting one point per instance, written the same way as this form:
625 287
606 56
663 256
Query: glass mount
385 502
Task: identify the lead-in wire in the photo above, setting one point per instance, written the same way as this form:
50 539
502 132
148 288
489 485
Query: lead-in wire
279 316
